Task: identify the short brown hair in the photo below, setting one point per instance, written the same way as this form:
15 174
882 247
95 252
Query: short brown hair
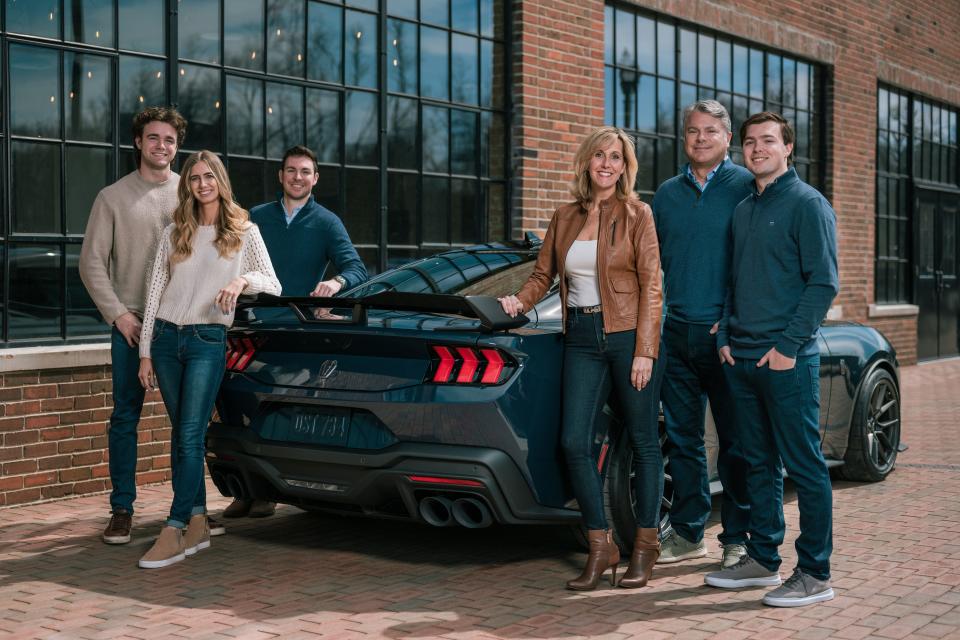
786 131
300 151
581 187
158 114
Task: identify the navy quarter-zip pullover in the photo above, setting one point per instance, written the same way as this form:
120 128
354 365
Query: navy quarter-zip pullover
693 228
300 251
784 270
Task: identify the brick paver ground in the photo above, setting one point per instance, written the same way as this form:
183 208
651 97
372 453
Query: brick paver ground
302 575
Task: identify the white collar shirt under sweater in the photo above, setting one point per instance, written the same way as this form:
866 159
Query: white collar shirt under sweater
185 292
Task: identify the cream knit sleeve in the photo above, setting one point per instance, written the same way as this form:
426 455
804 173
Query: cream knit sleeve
256 267
159 278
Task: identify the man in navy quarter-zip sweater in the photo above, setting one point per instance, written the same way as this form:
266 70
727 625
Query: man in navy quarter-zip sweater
782 282
692 212
302 238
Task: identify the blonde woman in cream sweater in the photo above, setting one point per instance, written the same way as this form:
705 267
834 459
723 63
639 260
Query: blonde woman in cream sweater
209 255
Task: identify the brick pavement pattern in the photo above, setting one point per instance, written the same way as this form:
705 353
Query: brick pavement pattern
305 575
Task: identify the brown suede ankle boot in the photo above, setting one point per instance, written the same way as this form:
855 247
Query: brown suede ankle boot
646 550
604 553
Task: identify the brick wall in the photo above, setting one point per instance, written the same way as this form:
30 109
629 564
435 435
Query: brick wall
53 430
558 71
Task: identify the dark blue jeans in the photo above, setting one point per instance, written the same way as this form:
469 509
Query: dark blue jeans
694 374
189 362
122 437
778 416
594 363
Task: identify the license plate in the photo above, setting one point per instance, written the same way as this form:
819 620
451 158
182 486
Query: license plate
327 426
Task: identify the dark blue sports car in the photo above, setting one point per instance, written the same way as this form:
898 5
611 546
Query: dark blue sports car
415 397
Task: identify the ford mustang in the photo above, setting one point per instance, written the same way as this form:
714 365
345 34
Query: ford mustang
413 396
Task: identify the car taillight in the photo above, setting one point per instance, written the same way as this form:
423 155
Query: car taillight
466 365
240 352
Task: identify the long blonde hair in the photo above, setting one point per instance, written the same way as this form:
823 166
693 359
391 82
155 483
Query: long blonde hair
581 187
231 223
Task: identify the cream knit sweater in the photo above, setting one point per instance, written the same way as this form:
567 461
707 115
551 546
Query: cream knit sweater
121 239
185 292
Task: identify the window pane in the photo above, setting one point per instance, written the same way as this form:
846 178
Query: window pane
35 181
626 106
362 127
434 61
665 106
492 145
496 212
402 56
198 30
37 17
491 19
803 134
463 146
435 11
88 87
323 124
608 29
646 166
688 55
705 59
244 116
35 94
464 69
35 293
83 319
92 23
325 43
609 95
666 159
360 68
491 91
756 74
200 105
143 83
646 44
369 5
724 75
666 49
285 37
404 8
436 139
243 34
401 133
402 219
466 221
249 183
89 169
362 217
436 216
741 69
327 191
773 78
142 26
647 104
626 34
464 15
284 118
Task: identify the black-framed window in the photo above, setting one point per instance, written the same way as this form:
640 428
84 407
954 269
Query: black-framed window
917 144
403 101
656 65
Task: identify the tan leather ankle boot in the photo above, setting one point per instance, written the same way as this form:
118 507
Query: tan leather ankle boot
646 550
604 554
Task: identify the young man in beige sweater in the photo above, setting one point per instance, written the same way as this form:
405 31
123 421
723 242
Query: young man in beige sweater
118 249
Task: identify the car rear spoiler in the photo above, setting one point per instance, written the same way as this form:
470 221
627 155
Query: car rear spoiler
484 308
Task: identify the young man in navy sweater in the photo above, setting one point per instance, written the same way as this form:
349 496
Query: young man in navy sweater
303 238
693 212
783 280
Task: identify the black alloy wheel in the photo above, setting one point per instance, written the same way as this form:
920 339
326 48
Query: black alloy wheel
874 439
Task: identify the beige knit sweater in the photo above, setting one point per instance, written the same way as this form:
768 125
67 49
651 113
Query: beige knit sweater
185 292
121 239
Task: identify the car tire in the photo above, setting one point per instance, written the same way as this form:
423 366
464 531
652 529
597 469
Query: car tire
874 439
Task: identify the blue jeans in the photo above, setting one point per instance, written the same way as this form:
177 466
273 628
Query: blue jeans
778 415
694 374
594 363
189 362
122 437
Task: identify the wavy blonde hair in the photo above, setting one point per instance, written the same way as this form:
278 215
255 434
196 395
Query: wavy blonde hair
231 223
581 187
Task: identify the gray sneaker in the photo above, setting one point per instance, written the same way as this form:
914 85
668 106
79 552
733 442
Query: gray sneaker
675 548
746 573
732 554
799 590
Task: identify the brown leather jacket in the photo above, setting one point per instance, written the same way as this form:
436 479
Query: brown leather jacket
628 268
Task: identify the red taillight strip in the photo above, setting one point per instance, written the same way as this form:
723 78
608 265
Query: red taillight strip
249 350
491 374
446 364
233 352
456 482
470 364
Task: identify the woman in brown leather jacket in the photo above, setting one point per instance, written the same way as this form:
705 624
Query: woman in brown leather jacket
604 249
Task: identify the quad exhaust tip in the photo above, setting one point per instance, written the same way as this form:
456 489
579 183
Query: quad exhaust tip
470 513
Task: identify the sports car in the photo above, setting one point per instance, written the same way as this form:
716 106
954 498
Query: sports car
414 397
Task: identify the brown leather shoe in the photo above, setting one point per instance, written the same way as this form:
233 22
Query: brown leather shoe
261 509
167 550
237 509
118 529
646 550
604 554
197 536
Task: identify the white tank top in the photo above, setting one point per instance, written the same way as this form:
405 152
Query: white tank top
581 268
